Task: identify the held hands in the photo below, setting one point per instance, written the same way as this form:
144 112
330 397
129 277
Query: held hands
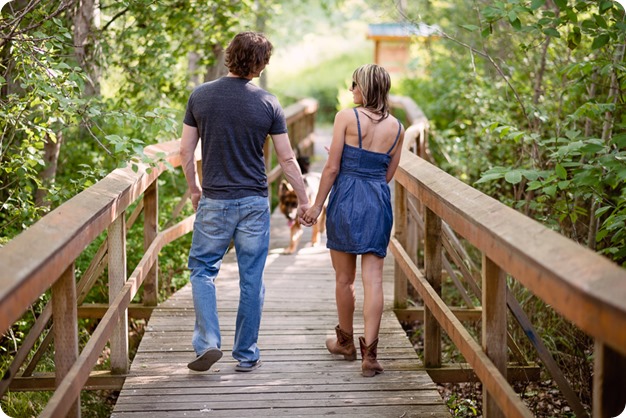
311 215
302 209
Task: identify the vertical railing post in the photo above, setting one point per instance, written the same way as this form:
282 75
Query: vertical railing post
609 381
117 279
432 269
494 326
150 231
65 317
400 286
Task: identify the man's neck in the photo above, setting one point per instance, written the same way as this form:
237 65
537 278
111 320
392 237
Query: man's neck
249 77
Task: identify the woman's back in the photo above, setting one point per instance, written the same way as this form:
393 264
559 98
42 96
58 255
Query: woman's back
375 136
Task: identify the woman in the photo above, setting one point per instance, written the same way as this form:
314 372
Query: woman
363 157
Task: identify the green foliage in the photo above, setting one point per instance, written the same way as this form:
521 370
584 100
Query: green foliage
323 82
43 102
129 91
462 407
535 116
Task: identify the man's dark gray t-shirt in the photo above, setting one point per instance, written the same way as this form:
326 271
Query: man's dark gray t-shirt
234 118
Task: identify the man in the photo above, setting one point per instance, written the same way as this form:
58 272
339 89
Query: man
233 118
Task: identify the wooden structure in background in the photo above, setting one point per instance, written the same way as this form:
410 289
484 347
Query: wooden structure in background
392 43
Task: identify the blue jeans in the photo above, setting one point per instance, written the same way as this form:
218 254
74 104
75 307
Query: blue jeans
247 222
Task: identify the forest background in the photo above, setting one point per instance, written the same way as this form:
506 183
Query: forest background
525 101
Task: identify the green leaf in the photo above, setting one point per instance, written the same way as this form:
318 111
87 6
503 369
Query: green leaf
471 28
573 38
513 176
600 21
517 25
551 32
563 184
489 177
560 171
572 16
619 140
550 190
530 174
605 5
590 148
562 4
536 4
600 41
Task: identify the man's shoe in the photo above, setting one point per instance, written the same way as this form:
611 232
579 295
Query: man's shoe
204 361
248 367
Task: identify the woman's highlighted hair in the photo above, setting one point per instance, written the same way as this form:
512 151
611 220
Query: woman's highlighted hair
374 83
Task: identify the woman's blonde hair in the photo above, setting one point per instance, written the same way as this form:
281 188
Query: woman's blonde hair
374 83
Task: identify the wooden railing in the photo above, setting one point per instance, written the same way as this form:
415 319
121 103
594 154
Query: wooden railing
433 212
43 257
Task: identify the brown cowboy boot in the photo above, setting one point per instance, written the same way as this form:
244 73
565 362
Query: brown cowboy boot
369 364
343 344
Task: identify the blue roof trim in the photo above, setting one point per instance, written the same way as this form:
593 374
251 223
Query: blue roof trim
401 29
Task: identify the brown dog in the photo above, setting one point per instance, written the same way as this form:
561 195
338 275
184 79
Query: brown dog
288 203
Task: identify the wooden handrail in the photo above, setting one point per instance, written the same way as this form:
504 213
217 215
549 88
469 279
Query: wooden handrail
43 256
582 286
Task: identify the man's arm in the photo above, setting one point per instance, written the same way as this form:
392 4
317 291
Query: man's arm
188 144
287 160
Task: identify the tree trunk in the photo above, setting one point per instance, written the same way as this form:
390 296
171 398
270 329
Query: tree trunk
260 27
614 93
84 44
51 151
218 69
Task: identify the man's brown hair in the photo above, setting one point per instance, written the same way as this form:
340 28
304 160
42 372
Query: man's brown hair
248 53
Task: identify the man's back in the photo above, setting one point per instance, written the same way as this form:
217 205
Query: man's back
234 117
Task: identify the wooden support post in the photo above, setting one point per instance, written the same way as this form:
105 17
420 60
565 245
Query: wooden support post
494 326
609 382
150 231
64 314
400 286
432 272
117 279
412 232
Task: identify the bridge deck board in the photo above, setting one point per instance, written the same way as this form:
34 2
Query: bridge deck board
298 376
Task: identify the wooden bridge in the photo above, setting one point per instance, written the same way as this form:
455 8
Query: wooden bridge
438 221
298 377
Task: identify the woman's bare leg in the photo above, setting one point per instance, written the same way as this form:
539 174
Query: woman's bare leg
373 300
345 273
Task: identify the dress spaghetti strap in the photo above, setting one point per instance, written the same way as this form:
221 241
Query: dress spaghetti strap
358 125
397 137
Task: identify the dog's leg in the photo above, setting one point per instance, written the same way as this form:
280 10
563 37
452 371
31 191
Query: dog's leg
294 240
316 234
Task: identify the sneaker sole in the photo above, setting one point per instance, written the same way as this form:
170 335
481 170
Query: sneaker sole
205 360
239 368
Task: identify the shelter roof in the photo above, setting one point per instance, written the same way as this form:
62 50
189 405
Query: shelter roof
399 30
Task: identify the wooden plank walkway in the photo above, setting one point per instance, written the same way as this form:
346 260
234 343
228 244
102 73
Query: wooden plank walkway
298 376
